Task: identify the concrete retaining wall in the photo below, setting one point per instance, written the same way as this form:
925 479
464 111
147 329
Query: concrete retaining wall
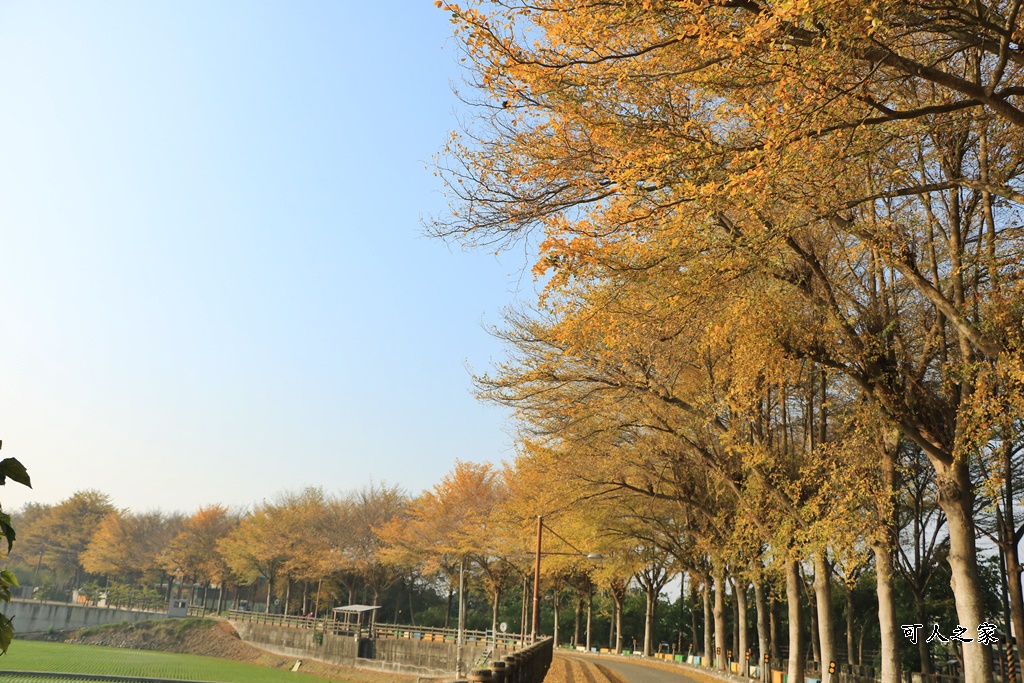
399 655
34 616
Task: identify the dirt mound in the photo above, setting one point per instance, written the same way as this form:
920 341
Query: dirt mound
185 636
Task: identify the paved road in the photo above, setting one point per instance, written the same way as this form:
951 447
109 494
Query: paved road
638 673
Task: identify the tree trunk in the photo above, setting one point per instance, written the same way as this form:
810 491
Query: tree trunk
1011 555
741 619
815 649
555 627
611 628
652 599
398 603
590 608
796 631
762 622
494 611
448 612
524 611
618 625
890 631
1013 574
270 586
720 646
923 651
576 626
693 615
682 611
849 625
823 598
773 620
707 621
412 614
735 644
956 499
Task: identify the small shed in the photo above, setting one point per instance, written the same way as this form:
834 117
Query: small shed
355 617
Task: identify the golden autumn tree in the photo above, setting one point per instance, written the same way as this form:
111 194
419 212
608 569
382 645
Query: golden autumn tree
253 549
375 508
58 534
194 551
862 155
458 522
128 545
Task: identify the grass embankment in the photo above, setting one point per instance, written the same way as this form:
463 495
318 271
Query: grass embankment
96 659
183 649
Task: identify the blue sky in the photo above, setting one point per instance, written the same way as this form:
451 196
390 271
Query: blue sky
213 280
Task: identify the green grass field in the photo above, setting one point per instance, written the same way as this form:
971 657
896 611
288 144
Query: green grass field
27 655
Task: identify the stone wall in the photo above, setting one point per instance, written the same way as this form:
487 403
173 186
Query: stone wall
34 616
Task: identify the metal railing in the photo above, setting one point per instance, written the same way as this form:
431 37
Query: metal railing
427 633
381 630
275 619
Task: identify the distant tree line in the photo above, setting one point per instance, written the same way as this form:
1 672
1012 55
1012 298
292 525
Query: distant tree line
608 561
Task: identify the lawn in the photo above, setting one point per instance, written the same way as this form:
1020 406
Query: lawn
27 655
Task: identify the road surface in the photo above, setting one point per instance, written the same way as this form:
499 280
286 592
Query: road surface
634 672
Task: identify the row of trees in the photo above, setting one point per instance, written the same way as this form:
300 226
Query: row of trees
298 539
307 551
781 326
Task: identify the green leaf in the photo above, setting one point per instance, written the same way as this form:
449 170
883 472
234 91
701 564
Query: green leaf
7 530
10 467
6 633
8 576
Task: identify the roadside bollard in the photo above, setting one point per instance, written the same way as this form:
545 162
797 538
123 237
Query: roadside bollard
498 672
511 670
480 676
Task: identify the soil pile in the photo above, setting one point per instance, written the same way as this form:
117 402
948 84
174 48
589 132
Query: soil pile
205 637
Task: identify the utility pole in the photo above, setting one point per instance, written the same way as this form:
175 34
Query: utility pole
536 583
462 618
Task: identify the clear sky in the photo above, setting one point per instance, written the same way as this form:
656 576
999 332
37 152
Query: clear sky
213 280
